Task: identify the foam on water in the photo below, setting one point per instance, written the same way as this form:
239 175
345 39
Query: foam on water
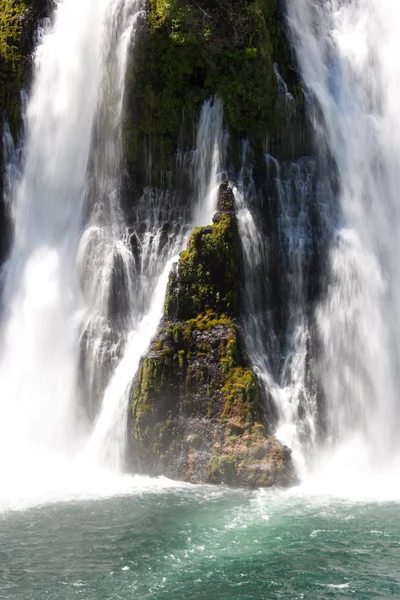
72 482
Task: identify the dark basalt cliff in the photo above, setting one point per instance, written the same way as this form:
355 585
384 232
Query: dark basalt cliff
196 413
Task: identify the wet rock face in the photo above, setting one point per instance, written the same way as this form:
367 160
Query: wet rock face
18 22
193 49
195 405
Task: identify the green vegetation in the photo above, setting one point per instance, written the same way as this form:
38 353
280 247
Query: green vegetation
208 276
18 18
166 371
13 63
195 401
194 49
195 367
206 322
240 395
193 332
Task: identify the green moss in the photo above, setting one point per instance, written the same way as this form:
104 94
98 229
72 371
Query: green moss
177 334
200 310
155 378
163 435
159 345
17 23
208 321
208 275
187 333
240 395
222 468
193 50
181 358
199 370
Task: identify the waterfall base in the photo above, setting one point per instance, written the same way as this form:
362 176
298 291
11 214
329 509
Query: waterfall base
196 413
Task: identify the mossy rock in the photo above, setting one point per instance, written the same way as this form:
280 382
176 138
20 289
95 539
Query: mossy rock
206 279
196 409
18 20
252 459
189 51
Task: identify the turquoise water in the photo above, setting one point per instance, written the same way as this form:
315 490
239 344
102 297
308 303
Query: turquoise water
201 543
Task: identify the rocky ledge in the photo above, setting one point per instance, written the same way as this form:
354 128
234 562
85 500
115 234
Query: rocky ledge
195 409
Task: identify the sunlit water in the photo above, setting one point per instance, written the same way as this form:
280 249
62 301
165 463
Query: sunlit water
180 542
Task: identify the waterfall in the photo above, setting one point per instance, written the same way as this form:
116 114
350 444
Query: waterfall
208 159
160 233
347 56
276 319
105 261
84 290
63 330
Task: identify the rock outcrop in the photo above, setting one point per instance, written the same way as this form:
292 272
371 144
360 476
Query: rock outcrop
190 50
195 412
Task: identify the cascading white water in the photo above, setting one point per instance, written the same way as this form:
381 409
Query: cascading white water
105 260
157 248
41 299
83 294
11 170
279 361
347 52
208 160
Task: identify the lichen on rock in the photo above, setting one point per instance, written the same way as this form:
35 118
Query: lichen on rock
196 412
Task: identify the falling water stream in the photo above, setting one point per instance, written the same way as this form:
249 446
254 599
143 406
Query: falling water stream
41 297
83 292
347 54
157 251
280 360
